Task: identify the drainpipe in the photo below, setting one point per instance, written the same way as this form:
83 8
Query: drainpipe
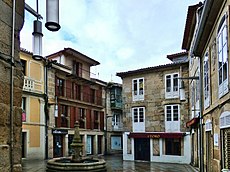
46 109
12 92
201 117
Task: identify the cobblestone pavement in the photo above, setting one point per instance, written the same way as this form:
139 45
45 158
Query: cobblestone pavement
116 164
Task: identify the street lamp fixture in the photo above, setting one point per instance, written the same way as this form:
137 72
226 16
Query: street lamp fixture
52 15
52 24
37 40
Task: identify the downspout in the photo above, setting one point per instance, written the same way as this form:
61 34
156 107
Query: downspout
201 117
46 108
12 92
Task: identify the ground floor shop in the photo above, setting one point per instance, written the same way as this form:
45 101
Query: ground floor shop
157 147
61 139
114 142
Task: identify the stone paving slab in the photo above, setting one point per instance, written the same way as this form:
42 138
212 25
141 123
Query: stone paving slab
116 164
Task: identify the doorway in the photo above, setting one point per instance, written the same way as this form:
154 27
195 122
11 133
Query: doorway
58 145
209 151
24 140
142 149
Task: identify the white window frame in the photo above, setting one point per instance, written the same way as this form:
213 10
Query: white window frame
206 80
172 125
172 91
139 93
138 119
116 120
222 53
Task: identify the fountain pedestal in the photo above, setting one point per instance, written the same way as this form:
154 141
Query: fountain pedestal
76 162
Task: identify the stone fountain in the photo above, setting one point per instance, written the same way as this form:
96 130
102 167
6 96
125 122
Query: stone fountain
76 162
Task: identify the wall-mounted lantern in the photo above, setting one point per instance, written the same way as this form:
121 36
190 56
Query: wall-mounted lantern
37 40
52 15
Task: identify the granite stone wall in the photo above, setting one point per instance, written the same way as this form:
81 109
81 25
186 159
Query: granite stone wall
7 161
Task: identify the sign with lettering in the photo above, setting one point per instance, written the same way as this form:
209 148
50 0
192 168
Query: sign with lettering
59 131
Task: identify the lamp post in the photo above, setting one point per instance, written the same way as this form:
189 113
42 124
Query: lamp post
52 24
198 78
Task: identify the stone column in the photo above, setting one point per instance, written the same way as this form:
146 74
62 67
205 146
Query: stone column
8 162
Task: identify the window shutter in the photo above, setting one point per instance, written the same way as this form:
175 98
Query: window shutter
102 121
72 116
88 119
68 88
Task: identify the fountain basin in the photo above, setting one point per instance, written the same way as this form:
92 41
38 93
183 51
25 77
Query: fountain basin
85 164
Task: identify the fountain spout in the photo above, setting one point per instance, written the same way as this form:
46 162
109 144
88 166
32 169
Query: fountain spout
76 145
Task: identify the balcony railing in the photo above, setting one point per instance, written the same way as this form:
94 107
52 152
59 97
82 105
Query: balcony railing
81 96
28 84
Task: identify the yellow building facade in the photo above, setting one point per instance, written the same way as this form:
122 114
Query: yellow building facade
33 115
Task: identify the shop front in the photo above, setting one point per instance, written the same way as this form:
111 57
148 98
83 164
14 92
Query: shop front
157 147
59 142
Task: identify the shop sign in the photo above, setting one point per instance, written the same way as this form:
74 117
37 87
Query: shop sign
59 131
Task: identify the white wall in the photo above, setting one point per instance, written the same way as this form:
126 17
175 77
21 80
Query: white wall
127 156
185 159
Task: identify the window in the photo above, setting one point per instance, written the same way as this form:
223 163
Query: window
23 62
89 145
64 115
116 97
92 95
172 146
138 118
82 117
171 86
59 87
96 120
23 109
77 68
172 118
195 96
222 41
77 91
138 89
206 81
116 120
116 143
138 114
172 113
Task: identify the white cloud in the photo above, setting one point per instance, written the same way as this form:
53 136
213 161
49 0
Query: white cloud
121 34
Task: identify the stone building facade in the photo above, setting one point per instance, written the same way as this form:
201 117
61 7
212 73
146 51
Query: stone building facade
155 111
113 119
208 47
10 85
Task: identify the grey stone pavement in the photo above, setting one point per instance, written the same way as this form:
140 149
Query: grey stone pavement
116 164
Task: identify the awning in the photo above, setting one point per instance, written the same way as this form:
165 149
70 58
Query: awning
155 135
192 122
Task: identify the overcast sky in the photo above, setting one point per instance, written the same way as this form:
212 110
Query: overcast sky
122 35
